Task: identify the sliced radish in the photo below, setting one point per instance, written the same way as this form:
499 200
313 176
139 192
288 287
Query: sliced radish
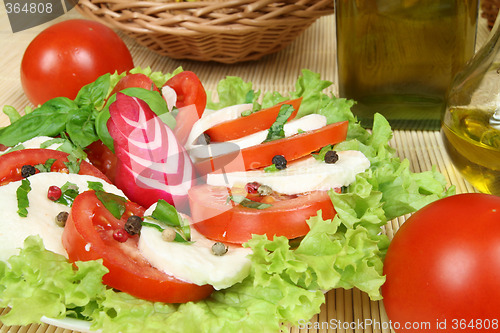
152 165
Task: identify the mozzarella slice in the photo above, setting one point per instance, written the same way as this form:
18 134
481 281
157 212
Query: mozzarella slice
194 262
211 118
41 211
301 176
35 143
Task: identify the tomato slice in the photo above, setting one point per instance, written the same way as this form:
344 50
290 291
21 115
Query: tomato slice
292 148
11 164
102 158
255 122
189 90
219 219
88 235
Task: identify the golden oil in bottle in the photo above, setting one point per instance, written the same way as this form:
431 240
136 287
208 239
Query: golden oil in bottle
472 140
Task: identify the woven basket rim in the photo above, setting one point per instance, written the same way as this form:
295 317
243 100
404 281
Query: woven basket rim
216 22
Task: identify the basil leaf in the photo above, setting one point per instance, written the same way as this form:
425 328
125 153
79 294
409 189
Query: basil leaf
166 214
96 186
271 168
22 198
46 167
51 142
114 203
12 113
69 193
245 202
81 127
93 95
73 164
47 120
277 130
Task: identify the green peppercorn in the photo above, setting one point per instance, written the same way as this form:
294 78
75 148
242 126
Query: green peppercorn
331 157
219 249
133 225
27 170
61 219
264 190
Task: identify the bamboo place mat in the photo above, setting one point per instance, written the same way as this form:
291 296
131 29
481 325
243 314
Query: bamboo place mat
314 50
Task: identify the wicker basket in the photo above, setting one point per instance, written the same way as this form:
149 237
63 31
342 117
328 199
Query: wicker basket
225 31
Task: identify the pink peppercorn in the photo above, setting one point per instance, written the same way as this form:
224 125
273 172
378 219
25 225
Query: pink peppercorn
120 235
54 193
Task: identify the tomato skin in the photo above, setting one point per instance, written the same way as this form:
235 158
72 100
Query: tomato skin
189 90
68 55
217 220
137 80
444 264
102 158
12 162
255 122
90 223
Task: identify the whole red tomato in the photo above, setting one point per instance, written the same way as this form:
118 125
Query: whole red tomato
68 55
443 267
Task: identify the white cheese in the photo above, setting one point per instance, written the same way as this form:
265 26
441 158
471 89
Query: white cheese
194 262
41 211
35 143
211 118
301 176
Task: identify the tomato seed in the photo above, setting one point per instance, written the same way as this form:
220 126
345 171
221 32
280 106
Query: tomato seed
120 235
54 193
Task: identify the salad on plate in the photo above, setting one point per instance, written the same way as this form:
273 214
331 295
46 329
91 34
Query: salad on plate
143 204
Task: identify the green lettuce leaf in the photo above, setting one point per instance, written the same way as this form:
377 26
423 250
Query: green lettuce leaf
39 283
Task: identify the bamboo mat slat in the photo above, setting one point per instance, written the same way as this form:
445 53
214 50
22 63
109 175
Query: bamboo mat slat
314 50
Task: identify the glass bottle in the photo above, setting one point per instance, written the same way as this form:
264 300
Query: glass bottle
471 122
398 57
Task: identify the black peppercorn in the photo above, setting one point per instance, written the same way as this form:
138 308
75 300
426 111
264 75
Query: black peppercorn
331 157
279 162
133 225
27 170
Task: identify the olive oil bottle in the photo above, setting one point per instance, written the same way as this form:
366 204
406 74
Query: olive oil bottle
398 57
472 140
471 121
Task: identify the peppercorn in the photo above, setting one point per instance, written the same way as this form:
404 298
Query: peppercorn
61 219
27 170
120 235
279 162
219 249
331 157
133 225
264 190
252 187
168 234
54 193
